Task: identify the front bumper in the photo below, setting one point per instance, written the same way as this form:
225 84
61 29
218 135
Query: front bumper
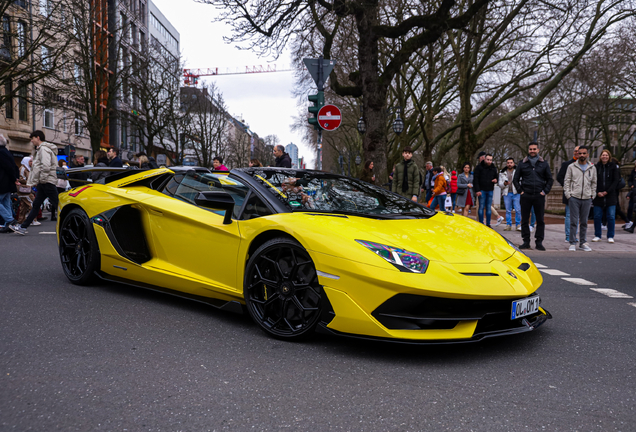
526 324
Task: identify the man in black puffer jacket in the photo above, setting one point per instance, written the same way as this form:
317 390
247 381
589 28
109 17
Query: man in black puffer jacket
533 179
484 179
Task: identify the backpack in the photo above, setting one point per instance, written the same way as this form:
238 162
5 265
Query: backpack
621 184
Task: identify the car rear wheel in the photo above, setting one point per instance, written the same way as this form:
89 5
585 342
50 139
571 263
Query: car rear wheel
79 251
281 289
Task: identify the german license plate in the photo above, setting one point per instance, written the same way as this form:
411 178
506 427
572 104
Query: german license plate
526 306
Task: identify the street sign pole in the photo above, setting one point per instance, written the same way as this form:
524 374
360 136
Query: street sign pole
319 69
319 155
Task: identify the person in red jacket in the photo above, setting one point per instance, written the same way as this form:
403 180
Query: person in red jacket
453 188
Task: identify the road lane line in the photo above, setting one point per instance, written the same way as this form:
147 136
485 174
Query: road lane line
540 266
611 293
47 232
578 281
632 304
553 272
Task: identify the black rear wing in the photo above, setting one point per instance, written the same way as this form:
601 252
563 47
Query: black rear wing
115 173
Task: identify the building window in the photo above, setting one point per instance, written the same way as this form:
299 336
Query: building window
135 34
8 91
79 127
124 136
49 120
46 58
5 51
22 102
78 74
22 38
45 7
142 12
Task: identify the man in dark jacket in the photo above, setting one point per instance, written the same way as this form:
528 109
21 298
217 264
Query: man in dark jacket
113 157
77 162
485 179
427 186
282 159
406 179
608 177
9 174
533 180
561 179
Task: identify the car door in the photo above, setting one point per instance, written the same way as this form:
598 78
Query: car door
193 241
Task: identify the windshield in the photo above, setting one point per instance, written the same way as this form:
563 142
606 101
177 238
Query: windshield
329 193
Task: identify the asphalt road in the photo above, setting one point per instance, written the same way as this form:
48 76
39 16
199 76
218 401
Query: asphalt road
114 358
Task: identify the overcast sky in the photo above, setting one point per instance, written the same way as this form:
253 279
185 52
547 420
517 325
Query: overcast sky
263 100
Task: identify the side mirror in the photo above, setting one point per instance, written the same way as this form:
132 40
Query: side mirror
217 200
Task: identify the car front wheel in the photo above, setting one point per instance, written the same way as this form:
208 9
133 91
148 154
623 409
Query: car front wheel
281 289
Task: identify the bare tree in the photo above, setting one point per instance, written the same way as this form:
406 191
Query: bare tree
206 123
30 50
93 70
515 48
156 78
268 25
239 145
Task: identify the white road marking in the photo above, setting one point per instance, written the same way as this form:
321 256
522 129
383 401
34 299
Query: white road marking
632 304
47 232
611 293
578 281
540 265
554 272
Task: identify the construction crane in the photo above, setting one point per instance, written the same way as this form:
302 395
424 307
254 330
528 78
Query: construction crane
191 76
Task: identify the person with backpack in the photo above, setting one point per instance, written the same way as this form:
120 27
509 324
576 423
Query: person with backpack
439 189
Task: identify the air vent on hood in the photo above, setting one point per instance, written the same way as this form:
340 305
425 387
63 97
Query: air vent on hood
524 266
480 274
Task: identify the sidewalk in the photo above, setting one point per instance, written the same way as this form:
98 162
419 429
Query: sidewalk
555 237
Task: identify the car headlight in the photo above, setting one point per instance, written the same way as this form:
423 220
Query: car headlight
402 259
511 244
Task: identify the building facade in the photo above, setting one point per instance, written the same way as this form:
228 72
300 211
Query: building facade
292 150
19 116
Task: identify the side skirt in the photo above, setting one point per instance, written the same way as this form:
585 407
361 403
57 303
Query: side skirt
230 306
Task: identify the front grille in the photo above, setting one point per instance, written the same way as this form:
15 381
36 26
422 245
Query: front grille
413 312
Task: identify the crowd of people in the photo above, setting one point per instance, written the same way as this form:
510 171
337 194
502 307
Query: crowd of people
37 179
588 189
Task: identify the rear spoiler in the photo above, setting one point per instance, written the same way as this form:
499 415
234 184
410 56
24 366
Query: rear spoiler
116 173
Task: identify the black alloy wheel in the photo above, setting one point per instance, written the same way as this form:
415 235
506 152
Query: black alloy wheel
79 251
281 290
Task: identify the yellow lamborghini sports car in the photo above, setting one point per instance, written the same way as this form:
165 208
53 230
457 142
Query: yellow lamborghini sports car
301 251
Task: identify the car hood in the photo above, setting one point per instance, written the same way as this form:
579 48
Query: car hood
443 237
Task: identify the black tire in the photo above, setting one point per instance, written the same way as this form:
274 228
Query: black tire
281 290
79 251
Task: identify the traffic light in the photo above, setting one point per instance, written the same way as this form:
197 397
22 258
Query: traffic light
318 100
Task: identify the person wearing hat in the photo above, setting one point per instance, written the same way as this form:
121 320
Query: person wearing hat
406 179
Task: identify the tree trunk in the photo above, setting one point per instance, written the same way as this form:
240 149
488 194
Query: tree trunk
374 94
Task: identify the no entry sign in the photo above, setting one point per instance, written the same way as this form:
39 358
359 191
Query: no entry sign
329 117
